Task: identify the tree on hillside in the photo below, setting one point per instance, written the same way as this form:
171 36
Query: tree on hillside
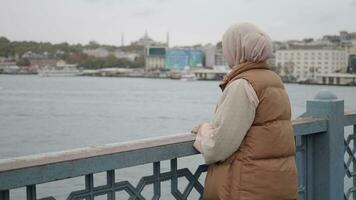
23 62
70 53
93 45
4 40
6 49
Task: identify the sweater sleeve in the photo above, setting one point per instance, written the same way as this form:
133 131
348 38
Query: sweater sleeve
233 117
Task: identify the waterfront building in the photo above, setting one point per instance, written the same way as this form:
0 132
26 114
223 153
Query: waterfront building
351 57
213 55
9 67
219 57
178 58
209 55
305 61
155 58
39 64
352 64
350 49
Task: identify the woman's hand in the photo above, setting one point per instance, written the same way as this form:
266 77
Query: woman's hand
196 129
201 131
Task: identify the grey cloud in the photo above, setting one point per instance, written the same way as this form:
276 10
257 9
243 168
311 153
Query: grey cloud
125 1
326 18
353 3
189 21
107 2
144 13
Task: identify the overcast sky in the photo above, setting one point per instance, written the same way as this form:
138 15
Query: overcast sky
187 21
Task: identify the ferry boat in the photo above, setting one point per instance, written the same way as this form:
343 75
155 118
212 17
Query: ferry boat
60 69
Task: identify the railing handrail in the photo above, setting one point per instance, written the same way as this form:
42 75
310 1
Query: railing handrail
41 168
350 118
92 151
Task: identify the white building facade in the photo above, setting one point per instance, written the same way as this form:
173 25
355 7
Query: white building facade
209 55
306 63
155 58
214 56
154 63
219 57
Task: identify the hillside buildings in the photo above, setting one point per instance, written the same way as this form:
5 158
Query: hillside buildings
344 37
98 52
103 53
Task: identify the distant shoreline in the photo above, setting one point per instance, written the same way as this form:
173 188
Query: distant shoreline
145 77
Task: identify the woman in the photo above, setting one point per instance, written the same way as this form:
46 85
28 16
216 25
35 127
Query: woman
249 146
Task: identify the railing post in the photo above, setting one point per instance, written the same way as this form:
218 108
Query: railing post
327 180
31 192
4 195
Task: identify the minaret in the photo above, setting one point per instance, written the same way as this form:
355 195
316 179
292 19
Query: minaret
146 34
167 39
122 39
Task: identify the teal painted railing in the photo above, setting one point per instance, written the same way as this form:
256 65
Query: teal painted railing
325 159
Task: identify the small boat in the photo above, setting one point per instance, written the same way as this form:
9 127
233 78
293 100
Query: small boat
188 77
175 75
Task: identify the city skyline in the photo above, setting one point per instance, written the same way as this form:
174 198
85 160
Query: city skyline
188 22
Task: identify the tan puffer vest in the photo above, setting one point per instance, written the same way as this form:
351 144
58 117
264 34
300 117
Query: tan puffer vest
263 168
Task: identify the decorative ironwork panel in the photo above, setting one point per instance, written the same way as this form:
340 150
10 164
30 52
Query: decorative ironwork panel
134 192
350 164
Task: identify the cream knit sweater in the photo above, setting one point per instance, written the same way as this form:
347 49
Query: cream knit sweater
232 119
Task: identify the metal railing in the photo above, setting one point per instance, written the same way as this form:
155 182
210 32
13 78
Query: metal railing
324 159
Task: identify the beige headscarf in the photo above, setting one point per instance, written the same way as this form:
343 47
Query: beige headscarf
246 43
